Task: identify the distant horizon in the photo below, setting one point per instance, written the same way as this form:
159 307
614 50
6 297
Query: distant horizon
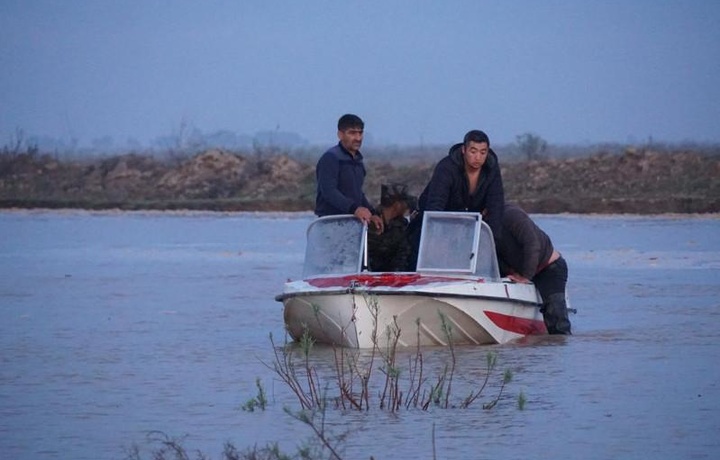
197 141
280 138
187 133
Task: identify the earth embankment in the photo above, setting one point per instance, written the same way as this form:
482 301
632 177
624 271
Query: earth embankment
637 181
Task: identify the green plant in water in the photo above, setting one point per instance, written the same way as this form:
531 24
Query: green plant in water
447 330
165 447
353 375
315 419
304 382
416 379
259 401
490 362
284 366
491 359
391 395
507 378
521 400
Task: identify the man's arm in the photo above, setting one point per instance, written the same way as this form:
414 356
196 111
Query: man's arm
438 189
495 206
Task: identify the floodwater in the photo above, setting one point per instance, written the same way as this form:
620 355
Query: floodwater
114 325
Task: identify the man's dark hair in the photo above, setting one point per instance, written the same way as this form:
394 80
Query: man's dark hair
348 121
476 136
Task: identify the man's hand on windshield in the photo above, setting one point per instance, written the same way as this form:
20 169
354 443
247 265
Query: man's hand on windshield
367 218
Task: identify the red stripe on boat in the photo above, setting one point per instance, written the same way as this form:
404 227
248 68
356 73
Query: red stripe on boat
518 325
380 279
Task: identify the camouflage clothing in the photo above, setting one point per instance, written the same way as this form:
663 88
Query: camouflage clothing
390 251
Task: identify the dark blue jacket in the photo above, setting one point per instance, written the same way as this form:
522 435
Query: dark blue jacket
448 189
340 180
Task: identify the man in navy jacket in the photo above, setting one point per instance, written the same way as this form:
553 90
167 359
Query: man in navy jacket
340 174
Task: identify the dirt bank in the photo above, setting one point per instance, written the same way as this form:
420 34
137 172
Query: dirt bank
638 181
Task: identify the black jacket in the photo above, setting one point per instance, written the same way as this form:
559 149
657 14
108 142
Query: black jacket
448 189
390 251
525 248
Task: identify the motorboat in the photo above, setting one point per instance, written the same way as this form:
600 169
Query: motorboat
455 297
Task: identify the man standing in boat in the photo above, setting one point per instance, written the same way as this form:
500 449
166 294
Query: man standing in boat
467 179
340 174
526 254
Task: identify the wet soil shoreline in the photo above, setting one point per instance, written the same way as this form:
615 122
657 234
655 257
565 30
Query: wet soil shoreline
635 182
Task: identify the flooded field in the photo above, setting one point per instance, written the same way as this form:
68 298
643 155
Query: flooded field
114 325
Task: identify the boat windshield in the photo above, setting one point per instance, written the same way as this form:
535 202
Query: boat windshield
451 242
457 242
334 246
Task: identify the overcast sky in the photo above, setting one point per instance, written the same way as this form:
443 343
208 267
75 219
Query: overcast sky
572 71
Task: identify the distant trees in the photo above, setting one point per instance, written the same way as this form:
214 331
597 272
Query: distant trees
531 145
17 144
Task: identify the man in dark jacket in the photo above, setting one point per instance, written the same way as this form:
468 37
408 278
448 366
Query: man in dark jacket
340 174
526 254
467 179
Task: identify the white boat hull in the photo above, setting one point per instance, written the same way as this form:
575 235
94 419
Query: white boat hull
374 309
455 296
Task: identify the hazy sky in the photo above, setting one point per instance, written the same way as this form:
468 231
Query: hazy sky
572 71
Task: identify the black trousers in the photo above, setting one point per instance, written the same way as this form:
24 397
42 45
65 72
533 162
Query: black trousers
552 279
551 283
